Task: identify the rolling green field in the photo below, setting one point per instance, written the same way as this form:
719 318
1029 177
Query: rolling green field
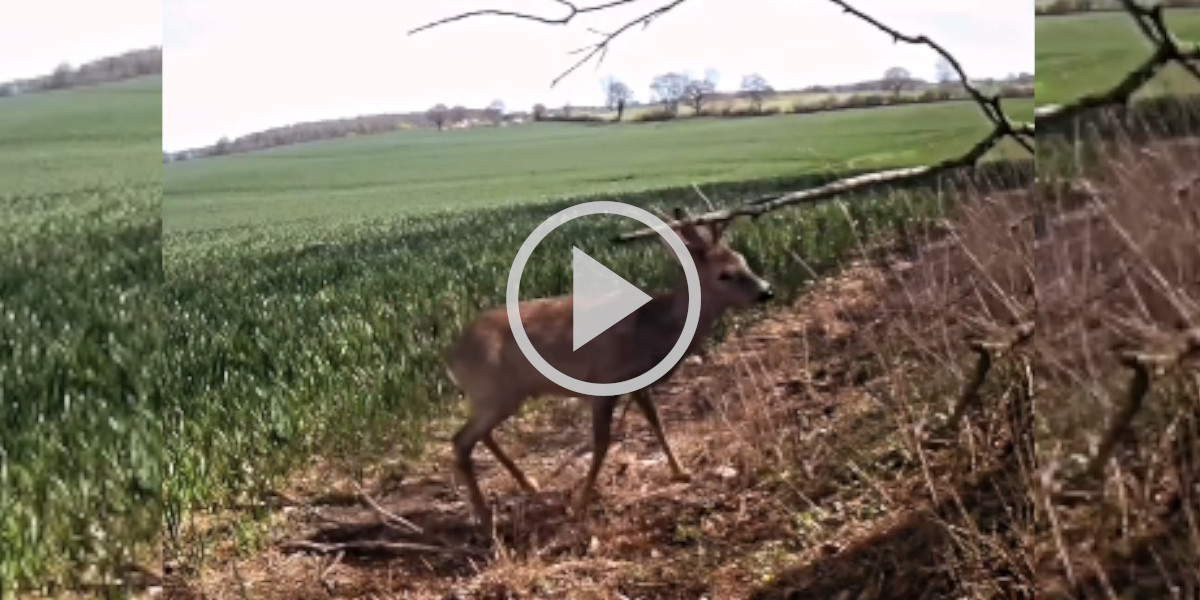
80 343
409 173
83 137
1086 53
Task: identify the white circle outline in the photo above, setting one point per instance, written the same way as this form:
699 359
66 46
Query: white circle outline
691 321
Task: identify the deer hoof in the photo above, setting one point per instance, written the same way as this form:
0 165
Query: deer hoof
530 485
484 523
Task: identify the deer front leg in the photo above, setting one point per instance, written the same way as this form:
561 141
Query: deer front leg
527 483
602 413
642 398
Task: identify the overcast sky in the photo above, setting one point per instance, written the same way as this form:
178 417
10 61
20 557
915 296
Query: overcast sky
37 35
237 66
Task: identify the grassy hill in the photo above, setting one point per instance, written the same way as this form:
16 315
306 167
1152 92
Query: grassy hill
103 135
80 276
1088 52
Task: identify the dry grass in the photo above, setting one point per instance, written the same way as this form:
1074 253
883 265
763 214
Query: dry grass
1120 289
823 464
1084 284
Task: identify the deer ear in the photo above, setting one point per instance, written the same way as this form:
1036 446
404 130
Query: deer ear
696 238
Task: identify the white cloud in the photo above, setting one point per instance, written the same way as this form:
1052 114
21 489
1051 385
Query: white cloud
234 66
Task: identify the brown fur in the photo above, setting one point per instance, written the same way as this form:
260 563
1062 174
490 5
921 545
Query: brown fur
488 366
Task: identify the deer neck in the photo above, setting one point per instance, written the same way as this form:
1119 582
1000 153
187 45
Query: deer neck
666 313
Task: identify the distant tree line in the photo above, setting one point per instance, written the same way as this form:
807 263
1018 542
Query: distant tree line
442 116
830 103
135 63
438 117
669 94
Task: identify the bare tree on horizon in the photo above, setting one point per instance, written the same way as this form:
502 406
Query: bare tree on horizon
756 88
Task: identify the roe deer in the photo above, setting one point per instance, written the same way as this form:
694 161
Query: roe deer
486 364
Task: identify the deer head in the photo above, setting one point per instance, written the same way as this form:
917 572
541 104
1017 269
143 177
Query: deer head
726 281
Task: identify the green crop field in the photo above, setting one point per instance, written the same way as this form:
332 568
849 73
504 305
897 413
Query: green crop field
80 344
311 290
1089 52
381 177
82 137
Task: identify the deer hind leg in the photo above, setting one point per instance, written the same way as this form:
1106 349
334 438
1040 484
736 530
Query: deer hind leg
642 399
527 484
602 414
484 418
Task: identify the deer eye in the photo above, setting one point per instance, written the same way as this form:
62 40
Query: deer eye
725 276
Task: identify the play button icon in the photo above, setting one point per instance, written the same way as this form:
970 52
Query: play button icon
601 298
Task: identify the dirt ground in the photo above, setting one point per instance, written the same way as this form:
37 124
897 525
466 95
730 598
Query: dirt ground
802 487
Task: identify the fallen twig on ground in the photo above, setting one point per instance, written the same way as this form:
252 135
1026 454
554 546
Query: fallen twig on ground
372 546
389 518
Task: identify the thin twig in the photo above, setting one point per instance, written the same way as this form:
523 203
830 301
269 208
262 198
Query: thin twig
574 11
389 517
710 204
337 559
589 52
370 546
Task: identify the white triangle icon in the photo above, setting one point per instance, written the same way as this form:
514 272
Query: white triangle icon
601 298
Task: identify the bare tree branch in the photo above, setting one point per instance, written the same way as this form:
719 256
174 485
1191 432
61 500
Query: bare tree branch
1002 127
589 52
829 190
1148 19
1167 49
574 11
990 105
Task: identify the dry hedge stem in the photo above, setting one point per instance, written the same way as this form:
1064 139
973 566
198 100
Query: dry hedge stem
1093 292
1118 281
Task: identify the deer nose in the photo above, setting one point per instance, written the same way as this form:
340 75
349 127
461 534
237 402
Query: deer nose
765 294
